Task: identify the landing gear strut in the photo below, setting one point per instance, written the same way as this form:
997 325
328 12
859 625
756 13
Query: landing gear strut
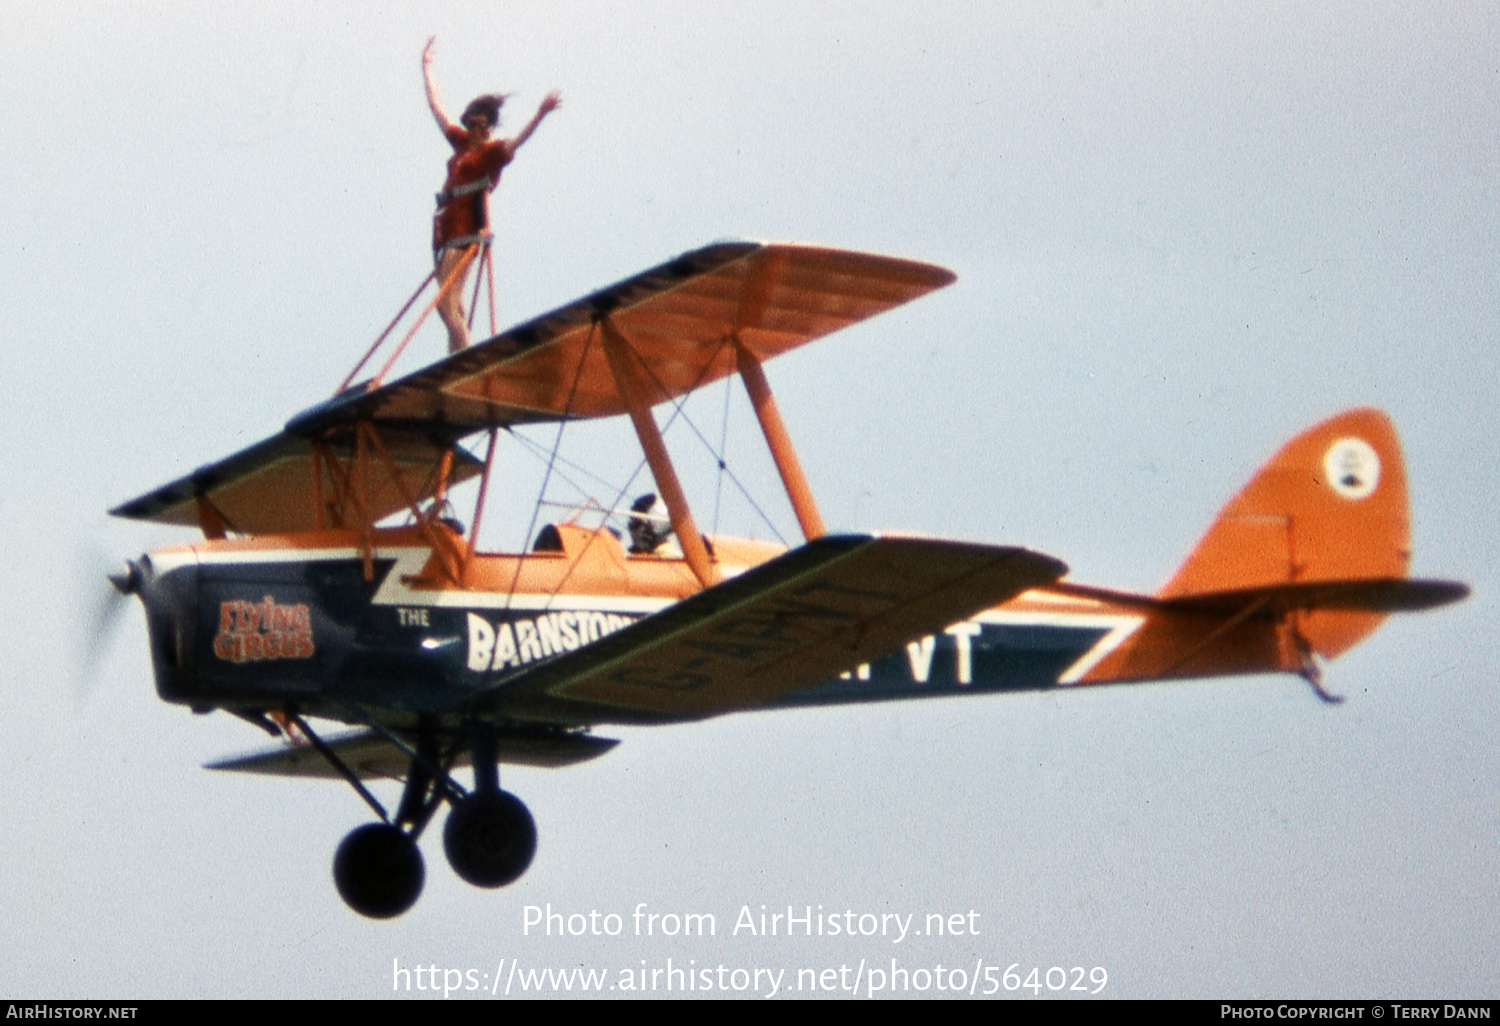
489 838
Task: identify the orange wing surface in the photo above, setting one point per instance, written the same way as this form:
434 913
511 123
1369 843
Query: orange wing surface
268 488
679 320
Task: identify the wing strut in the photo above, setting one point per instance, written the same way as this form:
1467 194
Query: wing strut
787 464
619 354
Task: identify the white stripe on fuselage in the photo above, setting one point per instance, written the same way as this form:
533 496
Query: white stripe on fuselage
1117 627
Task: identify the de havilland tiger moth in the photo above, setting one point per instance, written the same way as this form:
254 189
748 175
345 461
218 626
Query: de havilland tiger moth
335 582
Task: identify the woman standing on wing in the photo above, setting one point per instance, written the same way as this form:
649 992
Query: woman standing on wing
473 172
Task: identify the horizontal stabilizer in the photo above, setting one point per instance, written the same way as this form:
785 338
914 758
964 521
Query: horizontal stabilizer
1355 595
1379 595
371 755
793 623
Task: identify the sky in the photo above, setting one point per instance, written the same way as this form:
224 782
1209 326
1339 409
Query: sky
1182 233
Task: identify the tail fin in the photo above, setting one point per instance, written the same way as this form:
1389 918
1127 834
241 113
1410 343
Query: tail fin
1330 506
1310 557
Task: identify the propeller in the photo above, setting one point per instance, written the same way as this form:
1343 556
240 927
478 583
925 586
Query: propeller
101 616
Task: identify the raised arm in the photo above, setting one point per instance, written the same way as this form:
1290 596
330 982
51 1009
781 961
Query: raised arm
551 103
434 99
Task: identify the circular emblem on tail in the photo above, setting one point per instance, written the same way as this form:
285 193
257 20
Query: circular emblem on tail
1352 468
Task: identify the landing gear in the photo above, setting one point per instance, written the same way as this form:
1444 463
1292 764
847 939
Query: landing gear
489 838
379 871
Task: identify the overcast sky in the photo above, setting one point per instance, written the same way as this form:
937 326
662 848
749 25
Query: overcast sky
1182 233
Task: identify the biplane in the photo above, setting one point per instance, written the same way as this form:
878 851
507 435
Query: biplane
335 582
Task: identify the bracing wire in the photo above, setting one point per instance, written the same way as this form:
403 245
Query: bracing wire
536 449
554 458
679 407
536 510
723 451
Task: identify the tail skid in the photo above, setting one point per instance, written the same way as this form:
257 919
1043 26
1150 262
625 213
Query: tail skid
1306 561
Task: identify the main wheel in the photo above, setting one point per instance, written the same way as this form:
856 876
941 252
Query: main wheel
490 838
379 871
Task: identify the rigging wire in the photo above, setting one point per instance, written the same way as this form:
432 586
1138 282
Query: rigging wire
541 495
534 448
723 451
679 404
607 509
679 408
562 423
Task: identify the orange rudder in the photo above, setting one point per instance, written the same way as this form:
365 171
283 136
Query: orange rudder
1330 506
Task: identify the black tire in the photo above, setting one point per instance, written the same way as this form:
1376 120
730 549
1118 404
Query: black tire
490 838
379 871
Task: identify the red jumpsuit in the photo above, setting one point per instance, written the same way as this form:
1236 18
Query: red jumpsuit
463 205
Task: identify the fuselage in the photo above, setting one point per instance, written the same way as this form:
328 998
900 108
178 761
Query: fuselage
309 621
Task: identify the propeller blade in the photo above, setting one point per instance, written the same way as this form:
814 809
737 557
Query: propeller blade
100 618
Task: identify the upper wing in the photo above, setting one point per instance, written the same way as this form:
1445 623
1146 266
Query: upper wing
679 319
793 623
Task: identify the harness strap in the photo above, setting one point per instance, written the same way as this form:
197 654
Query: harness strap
464 241
459 191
